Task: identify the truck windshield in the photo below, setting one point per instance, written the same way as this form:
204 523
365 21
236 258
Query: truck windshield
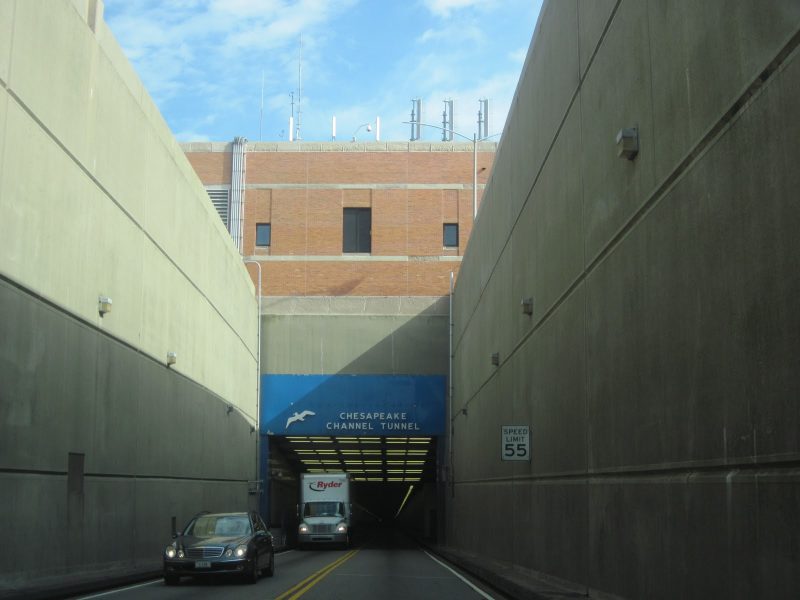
323 509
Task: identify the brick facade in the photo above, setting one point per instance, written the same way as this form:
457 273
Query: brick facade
301 189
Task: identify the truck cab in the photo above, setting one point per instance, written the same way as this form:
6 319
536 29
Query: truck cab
324 510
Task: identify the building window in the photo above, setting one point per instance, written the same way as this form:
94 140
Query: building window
263 234
450 235
357 231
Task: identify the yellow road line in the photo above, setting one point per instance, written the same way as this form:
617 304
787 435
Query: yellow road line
301 588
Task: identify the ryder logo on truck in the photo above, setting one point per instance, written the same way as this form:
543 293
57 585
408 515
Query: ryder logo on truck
321 486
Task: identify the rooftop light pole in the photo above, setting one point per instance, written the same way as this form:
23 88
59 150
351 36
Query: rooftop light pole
367 125
474 141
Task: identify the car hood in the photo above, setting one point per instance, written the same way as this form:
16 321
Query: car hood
190 541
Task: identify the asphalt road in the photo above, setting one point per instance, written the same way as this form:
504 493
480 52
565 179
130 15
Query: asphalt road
385 567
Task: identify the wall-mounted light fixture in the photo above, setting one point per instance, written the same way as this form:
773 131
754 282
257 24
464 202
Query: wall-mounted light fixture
527 306
172 358
628 143
495 358
104 305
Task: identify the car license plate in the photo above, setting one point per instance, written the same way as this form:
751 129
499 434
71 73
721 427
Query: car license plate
202 564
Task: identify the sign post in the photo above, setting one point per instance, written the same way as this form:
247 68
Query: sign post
515 442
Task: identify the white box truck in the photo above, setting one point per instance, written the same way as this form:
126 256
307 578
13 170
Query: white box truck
324 510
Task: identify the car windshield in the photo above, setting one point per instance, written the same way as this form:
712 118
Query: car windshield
224 525
323 509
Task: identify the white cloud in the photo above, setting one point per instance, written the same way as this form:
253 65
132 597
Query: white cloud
443 8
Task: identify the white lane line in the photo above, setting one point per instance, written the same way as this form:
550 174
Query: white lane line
125 589
461 577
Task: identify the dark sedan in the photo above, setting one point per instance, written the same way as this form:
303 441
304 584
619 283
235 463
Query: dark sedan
218 543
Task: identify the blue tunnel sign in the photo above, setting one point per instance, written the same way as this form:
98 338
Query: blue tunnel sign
353 405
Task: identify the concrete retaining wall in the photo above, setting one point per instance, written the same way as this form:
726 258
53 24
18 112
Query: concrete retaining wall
100 442
658 369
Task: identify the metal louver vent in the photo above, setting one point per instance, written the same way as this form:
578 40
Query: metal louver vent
220 200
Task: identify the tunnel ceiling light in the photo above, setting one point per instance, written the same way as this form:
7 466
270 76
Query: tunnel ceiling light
370 452
375 479
394 479
296 438
346 439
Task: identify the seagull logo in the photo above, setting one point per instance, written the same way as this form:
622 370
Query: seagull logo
299 417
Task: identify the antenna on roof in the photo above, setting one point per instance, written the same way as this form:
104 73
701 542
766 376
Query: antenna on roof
416 118
447 121
299 87
483 119
261 113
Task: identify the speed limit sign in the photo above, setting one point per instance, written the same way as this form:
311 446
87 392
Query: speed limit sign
515 442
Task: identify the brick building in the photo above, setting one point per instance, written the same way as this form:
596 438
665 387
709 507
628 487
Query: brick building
347 219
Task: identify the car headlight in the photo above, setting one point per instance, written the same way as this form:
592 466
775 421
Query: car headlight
170 552
180 553
303 528
240 551
341 528
229 552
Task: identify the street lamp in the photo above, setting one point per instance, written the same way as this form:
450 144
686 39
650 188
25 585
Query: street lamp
474 141
367 125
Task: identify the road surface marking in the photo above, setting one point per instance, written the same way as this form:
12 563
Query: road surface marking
309 582
125 589
461 577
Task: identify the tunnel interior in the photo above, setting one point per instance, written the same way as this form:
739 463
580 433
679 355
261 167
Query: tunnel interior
392 478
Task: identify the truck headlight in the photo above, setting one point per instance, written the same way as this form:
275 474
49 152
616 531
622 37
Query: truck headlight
341 528
303 528
170 552
240 551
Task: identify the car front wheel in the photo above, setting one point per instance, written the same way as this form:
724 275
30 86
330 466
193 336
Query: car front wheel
251 575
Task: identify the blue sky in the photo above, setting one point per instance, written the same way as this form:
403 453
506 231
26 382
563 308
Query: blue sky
202 62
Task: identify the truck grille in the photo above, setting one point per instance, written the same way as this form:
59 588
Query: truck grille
204 552
324 528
